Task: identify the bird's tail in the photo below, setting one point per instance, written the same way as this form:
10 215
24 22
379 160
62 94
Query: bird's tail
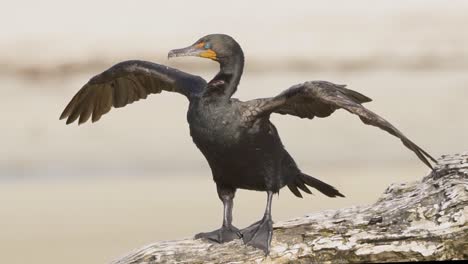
302 180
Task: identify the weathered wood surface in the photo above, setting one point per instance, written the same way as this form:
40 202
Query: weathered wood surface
424 220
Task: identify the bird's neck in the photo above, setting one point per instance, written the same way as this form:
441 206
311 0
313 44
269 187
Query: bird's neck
225 83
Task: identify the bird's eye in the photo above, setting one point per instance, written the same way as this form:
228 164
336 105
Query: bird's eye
207 45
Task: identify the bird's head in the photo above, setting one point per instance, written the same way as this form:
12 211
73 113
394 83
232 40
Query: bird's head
218 47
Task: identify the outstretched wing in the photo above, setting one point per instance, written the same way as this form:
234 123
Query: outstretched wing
125 83
321 99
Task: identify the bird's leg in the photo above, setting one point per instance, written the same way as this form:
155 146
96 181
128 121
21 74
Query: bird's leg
260 233
227 232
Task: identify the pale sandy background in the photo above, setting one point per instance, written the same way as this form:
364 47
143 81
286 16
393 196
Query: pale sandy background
88 194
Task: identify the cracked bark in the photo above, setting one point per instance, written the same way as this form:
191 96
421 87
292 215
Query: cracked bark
425 220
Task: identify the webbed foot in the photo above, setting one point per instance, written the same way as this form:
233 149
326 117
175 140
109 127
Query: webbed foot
222 235
259 234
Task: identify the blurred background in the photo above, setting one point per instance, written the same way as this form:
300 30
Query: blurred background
90 193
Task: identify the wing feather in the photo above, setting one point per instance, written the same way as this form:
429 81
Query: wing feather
87 110
125 83
321 99
97 105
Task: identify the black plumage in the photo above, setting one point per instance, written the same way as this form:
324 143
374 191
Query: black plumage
240 143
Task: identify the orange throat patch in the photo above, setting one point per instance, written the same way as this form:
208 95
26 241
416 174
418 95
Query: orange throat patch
209 54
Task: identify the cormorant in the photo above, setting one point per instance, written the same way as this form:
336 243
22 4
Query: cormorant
237 138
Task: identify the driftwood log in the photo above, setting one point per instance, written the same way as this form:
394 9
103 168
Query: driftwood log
424 220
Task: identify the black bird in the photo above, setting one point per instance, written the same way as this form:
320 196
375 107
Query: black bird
237 138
